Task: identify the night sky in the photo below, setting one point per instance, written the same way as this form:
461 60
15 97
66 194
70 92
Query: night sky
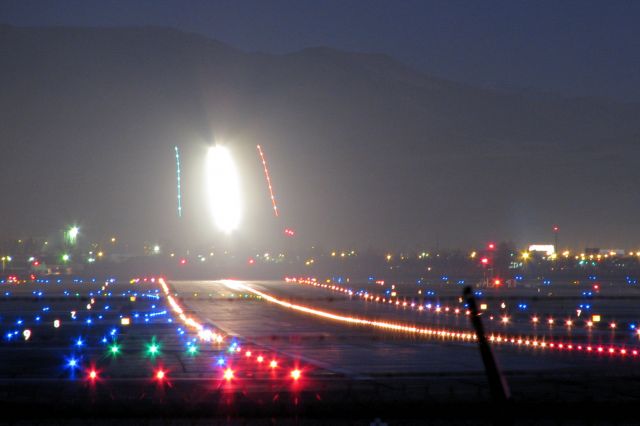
579 48
479 120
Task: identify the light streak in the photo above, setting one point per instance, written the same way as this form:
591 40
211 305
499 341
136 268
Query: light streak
464 336
428 307
268 177
178 178
204 334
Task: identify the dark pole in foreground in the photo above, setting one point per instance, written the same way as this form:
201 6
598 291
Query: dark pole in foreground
497 383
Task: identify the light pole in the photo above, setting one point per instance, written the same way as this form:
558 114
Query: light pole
4 260
556 229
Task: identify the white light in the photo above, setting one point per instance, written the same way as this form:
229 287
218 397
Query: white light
224 189
548 249
73 234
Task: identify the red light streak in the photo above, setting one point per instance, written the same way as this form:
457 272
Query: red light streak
268 177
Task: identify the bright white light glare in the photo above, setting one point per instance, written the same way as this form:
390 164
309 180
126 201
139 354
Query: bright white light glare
548 249
72 234
224 189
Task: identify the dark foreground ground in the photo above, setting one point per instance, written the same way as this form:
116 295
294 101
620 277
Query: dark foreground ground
349 374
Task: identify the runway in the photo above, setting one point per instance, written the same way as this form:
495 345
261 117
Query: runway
360 351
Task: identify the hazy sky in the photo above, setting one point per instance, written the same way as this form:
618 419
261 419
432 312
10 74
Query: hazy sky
583 48
363 151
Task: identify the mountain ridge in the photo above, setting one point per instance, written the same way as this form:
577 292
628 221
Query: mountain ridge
355 126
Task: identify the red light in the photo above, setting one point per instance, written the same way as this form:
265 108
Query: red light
252 261
295 374
556 228
484 261
497 281
182 262
491 246
160 375
93 375
289 232
36 263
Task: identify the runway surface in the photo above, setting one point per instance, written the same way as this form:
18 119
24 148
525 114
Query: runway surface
361 352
